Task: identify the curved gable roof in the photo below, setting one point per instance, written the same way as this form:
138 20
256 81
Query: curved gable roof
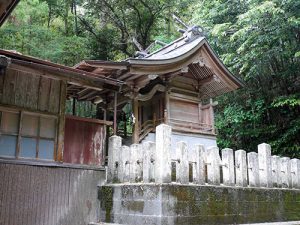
189 59
180 54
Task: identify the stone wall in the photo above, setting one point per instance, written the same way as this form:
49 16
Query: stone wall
147 184
176 204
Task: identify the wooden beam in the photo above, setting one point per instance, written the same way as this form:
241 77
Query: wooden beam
71 75
107 64
121 100
150 94
87 95
90 120
133 77
83 82
184 97
124 75
98 70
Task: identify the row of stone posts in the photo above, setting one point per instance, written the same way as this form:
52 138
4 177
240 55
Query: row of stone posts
151 162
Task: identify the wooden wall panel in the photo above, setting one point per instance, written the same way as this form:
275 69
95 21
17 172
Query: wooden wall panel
20 90
54 96
1 85
84 142
206 116
9 88
184 110
30 91
40 195
44 93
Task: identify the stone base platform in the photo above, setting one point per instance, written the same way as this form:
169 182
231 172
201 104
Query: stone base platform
174 204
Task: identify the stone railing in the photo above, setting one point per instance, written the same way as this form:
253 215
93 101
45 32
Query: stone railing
156 162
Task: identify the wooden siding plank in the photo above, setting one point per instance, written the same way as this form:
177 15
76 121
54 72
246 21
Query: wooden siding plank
184 111
9 87
54 96
44 94
21 87
1 85
32 92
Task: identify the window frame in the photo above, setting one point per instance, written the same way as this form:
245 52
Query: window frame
19 135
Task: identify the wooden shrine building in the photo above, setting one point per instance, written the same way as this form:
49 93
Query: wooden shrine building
173 85
52 162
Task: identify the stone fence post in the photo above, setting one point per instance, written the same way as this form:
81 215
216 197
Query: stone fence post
213 165
265 167
114 150
125 164
199 155
241 168
276 171
228 167
136 163
285 173
148 161
182 165
253 172
163 154
295 172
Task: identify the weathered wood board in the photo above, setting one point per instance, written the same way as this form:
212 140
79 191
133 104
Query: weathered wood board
30 91
84 142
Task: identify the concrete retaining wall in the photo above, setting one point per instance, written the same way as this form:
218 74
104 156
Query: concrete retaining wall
176 204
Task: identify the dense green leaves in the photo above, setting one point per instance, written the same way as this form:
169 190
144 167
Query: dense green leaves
258 40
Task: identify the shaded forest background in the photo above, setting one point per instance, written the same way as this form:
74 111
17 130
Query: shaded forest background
259 41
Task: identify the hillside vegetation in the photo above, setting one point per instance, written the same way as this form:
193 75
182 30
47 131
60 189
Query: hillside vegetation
259 41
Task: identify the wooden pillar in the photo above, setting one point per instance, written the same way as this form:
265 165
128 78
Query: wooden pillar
200 112
211 112
61 122
135 137
167 104
115 113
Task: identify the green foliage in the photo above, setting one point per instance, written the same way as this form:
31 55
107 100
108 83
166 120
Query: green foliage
259 41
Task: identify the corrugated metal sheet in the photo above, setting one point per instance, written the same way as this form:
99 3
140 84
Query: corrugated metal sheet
38 195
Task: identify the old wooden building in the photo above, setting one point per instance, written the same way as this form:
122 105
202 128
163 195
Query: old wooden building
173 85
51 162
